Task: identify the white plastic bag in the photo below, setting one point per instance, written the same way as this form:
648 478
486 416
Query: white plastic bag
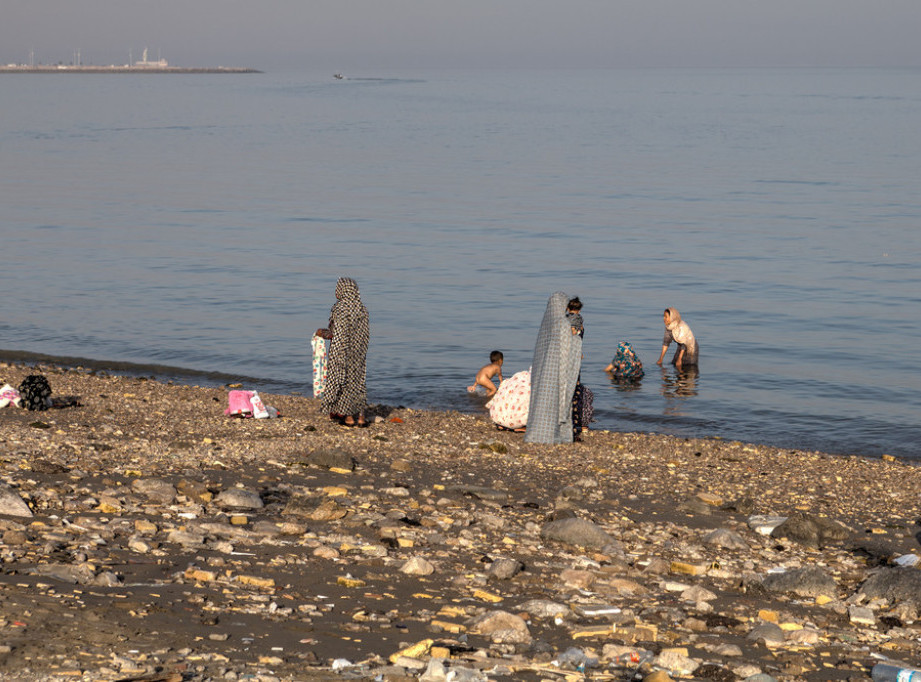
259 411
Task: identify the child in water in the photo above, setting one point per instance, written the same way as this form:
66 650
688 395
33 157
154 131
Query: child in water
483 384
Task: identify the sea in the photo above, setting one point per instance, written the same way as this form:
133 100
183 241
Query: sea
192 227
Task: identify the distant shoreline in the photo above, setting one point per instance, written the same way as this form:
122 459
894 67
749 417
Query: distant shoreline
64 68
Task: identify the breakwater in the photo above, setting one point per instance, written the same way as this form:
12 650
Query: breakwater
65 68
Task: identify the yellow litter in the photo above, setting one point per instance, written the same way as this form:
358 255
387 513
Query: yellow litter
487 596
416 650
350 582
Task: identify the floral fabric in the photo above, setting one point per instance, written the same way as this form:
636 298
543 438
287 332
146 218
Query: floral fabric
509 406
626 364
318 343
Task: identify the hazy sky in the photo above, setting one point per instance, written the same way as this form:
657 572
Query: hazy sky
367 34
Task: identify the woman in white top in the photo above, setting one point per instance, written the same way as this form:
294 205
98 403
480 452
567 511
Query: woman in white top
677 330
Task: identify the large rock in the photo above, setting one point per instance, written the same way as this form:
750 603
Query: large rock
577 532
805 582
814 531
331 459
898 585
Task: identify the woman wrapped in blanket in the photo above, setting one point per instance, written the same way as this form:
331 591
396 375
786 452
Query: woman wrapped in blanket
345 396
554 373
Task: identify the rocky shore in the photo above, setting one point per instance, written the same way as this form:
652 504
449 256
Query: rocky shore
146 536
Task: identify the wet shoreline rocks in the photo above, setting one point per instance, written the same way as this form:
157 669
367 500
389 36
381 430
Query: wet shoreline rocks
145 535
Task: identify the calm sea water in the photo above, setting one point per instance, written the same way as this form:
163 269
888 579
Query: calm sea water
201 221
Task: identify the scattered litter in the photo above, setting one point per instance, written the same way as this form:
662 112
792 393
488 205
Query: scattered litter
907 560
248 404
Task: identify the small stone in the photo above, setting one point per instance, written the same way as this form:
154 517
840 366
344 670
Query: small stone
726 539
11 504
326 552
657 676
769 633
696 593
581 580
861 615
574 531
156 489
505 569
502 627
417 566
676 661
256 581
239 498
544 608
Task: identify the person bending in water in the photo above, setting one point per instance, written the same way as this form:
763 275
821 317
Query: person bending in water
483 384
677 330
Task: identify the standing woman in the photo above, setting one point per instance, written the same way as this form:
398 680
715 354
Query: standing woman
345 396
554 372
677 330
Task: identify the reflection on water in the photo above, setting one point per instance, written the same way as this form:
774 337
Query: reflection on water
681 384
625 384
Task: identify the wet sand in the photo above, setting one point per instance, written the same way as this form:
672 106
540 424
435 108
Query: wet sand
169 541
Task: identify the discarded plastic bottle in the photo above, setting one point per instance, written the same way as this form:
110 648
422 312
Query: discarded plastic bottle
636 658
886 672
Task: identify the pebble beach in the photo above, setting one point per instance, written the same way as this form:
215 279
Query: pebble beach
144 535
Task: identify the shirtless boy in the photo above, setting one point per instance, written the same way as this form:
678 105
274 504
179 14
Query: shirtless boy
483 384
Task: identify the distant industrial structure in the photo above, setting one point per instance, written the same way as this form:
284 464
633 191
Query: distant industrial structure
146 64
143 65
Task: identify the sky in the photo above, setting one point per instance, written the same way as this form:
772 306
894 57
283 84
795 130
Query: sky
410 34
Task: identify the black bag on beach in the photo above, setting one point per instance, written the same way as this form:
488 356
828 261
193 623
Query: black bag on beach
35 391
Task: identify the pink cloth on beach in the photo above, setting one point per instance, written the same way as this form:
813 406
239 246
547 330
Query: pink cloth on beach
9 395
239 402
509 406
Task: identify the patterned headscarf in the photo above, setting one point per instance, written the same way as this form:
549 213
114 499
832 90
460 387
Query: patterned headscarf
626 364
554 372
346 392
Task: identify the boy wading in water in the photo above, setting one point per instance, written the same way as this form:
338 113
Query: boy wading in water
483 384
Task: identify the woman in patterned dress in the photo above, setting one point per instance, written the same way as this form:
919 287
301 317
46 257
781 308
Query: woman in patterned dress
345 396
